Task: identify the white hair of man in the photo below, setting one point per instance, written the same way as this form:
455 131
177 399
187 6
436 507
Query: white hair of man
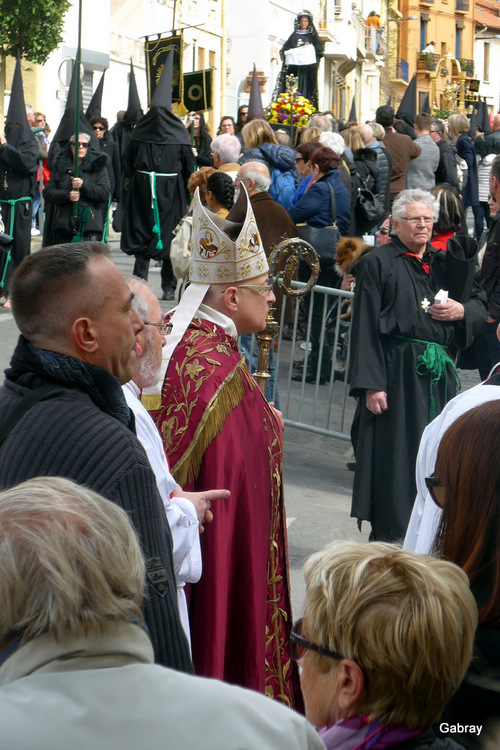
333 141
69 560
149 363
228 147
320 121
259 173
416 195
365 131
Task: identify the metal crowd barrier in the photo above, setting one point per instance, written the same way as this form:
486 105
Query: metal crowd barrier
323 409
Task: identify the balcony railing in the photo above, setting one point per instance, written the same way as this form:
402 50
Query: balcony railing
427 61
372 40
399 69
462 5
468 66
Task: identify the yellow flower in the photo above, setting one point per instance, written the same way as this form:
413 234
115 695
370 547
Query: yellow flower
193 369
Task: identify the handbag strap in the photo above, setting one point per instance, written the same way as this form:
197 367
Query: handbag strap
333 205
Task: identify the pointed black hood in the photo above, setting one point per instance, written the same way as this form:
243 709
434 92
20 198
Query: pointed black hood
134 110
255 108
17 129
66 126
159 124
407 109
162 96
95 107
483 118
352 114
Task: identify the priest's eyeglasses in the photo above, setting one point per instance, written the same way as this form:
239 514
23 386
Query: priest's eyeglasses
299 644
164 329
265 289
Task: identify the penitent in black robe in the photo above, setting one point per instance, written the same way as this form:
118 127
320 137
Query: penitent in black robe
390 288
160 143
18 166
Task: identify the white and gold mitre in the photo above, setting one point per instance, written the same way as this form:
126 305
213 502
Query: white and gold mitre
224 251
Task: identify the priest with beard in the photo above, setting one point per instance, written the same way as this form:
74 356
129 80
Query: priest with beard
18 167
157 166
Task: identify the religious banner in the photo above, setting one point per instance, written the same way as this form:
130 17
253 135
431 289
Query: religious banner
197 90
156 52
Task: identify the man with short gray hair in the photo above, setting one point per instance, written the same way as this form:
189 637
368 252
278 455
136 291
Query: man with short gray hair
404 338
226 151
322 122
421 172
185 511
273 221
384 160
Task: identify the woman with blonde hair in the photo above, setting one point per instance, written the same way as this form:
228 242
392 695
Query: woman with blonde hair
385 640
261 145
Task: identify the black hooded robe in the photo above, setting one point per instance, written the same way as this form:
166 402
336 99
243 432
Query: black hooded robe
390 288
159 143
60 225
18 168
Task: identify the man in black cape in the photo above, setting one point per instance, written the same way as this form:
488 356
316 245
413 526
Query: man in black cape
157 166
121 132
122 129
60 144
18 167
403 347
67 124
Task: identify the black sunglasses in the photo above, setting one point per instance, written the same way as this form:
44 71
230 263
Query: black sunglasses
98 127
436 490
299 644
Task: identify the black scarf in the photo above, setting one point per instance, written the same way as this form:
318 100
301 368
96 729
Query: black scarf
31 366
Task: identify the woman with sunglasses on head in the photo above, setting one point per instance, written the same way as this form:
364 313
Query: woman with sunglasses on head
466 485
89 191
385 640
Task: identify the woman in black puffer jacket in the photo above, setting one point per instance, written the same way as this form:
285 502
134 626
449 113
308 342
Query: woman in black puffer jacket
89 190
366 172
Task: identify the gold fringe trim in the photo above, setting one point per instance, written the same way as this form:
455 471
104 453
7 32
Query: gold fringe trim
151 401
227 397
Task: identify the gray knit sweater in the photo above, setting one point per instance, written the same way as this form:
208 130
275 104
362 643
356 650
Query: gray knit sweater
421 172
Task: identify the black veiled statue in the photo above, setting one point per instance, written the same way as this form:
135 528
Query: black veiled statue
304 34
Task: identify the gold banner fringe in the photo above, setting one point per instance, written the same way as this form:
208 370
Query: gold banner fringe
227 397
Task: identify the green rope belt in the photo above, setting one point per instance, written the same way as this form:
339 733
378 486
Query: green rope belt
433 361
11 202
154 202
105 230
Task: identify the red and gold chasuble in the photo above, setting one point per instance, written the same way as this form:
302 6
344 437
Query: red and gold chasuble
219 432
